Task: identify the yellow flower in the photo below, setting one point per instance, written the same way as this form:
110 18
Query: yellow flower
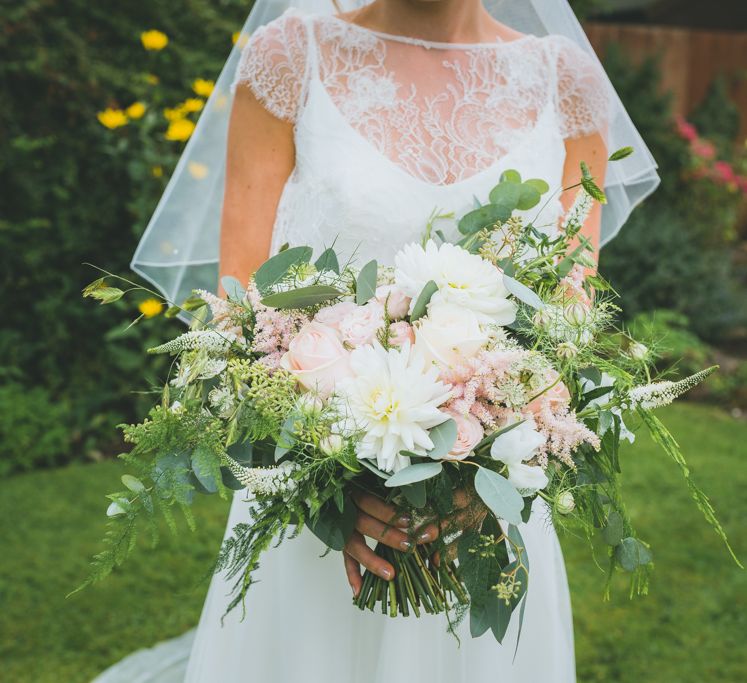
203 87
197 170
112 118
150 307
192 104
154 40
156 171
136 110
173 114
152 79
180 129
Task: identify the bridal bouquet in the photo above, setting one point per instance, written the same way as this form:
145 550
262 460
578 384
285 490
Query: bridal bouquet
458 385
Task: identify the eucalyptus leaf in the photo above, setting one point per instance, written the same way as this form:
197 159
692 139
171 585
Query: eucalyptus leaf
241 452
506 194
202 471
538 184
133 483
370 466
272 271
613 531
232 287
529 197
522 292
511 176
499 495
229 480
421 303
484 217
632 553
365 286
333 527
413 473
328 262
415 494
444 437
303 297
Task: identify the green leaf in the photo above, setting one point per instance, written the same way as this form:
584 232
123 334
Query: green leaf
585 172
365 286
206 469
287 439
444 437
370 466
332 527
529 197
303 297
499 495
421 303
594 190
241 452
538 184
484 217
230 481
117 507
415 494
511 176
506 194
328 262
233 288
272 271
106 295
613 531
133 483
621 153
522 292
631 554
413 473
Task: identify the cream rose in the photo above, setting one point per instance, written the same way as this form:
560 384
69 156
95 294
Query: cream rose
360 325
449 334
333 315
469 434
396 301
317 358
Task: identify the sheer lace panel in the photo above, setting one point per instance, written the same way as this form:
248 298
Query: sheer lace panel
442 112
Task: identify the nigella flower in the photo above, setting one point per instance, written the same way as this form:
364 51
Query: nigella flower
661 394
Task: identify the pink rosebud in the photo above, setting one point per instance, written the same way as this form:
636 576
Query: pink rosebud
317 358
400 333
469 434
396 301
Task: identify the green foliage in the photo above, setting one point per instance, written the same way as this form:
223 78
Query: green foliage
74 191
717 117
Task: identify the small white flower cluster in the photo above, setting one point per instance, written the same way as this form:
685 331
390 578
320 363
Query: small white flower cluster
579 211
264 481
223 400
659 394
209 341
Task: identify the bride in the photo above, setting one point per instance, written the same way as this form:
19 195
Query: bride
358 127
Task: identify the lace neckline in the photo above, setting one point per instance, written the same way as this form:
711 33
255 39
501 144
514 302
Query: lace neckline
428 44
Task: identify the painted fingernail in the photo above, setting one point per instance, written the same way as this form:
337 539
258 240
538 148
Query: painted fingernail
386 574
404 520
405 545
425 537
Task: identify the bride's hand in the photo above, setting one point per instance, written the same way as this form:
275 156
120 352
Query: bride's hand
382 522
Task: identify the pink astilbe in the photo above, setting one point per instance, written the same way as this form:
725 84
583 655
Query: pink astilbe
226 314
273 329
564 434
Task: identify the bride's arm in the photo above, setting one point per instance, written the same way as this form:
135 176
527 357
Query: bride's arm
592 150
260 156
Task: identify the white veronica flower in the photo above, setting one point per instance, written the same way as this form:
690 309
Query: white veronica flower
463 279
515 447
393 397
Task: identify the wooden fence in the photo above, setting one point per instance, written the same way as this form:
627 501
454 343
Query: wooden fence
691 59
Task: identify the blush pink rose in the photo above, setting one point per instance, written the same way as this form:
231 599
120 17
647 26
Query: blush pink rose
469 434
359 327
317 358
397 302
557 397
333 315
400 333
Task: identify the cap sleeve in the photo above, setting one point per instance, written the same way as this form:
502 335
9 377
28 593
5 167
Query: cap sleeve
273 65
583 91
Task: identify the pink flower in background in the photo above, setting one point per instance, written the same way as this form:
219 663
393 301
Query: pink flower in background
686 130
400 333
397 302
725 172
703 149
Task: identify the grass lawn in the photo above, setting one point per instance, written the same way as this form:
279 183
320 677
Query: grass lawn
689 629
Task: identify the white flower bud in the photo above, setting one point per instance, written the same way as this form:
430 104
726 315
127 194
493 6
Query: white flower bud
332 444
310 404
543 317
638 351
576 313
176 407
566 350
564 503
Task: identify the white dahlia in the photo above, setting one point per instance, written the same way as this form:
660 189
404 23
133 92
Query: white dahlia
463 279
393 397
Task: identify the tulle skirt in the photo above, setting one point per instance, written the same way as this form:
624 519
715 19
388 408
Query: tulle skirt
300 625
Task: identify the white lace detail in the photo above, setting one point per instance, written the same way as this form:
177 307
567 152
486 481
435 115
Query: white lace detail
441 112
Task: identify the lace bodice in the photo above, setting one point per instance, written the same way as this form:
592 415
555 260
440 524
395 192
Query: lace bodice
431 125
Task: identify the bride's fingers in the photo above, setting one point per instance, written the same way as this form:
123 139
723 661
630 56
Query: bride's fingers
353 571
377 508
374 528
357 549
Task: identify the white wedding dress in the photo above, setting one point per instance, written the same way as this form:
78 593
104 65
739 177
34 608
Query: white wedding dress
389 130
